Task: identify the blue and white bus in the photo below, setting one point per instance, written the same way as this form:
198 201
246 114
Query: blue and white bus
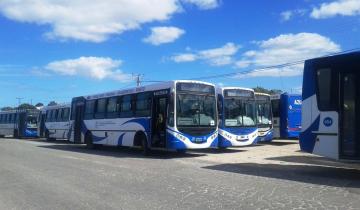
286 110
264 117
18 123
237 116
54 122
174 115
331 106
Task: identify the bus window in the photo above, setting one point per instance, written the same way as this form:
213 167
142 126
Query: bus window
275 105
60 115
100 108
89 109
66 112
125 107
143 104
112 109
324 89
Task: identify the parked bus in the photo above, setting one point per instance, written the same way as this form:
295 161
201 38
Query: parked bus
331 106
264 117
18 123
286 109
54 122
174 115
237 117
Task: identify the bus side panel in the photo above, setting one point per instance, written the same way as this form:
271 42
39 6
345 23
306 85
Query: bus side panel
294 116
327 142
310 117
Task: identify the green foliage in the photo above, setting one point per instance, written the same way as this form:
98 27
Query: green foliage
26 106
39 104
7 108
52 103
264 90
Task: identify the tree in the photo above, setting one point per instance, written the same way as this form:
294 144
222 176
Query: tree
39 104
26 106
7 108
264 90
52 103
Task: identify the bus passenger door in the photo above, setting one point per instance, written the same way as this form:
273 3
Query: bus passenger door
349 116
159 117
79 117
21 123
41 124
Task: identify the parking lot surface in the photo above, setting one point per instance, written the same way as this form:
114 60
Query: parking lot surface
35 174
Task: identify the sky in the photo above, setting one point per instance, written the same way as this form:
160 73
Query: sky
53 50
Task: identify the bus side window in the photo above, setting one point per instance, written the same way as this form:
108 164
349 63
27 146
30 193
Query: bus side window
1 116
126 106
100 108
143 104
66 112
60 115
89 109
324 89
112 110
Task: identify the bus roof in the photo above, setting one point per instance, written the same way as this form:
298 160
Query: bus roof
152 87
339 58
221 89
59 106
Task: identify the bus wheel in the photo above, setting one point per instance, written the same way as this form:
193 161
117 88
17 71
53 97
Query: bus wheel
142 140
47 135
16 134
89 141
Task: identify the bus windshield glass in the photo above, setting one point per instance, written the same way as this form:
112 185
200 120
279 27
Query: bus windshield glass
31 121
239 112
263 113
196 110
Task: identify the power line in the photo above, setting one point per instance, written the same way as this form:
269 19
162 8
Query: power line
269 67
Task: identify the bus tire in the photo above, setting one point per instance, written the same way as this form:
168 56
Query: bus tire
89 141
47 135
141 140
16 134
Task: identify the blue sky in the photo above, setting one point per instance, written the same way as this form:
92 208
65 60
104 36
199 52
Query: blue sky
55 50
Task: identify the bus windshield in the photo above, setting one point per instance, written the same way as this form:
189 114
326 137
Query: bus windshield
239 112
196 110
263 113
31 121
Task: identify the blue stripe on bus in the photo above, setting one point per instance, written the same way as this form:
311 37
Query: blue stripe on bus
308 138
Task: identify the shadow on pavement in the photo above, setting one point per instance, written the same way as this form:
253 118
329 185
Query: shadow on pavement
279 143
320 175
119 151
218 151
314 160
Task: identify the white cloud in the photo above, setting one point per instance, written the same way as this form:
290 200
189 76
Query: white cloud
162 35
96 20
284 49
216 57
204 4
286 15
290 14
185 57
93 67
339 7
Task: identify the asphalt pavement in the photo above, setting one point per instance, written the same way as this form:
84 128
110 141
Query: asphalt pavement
35 174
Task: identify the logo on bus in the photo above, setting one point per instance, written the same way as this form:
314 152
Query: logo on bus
328 121
297 102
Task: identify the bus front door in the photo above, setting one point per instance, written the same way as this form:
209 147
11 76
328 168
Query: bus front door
159 121
42 125
79 117
349 116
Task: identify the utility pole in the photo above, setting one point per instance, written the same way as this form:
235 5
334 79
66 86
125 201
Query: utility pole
138 79
19 100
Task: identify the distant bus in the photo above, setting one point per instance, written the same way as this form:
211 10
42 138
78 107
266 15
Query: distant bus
237 117
54 122
331 106
174 115
286 109
18 123
264 117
